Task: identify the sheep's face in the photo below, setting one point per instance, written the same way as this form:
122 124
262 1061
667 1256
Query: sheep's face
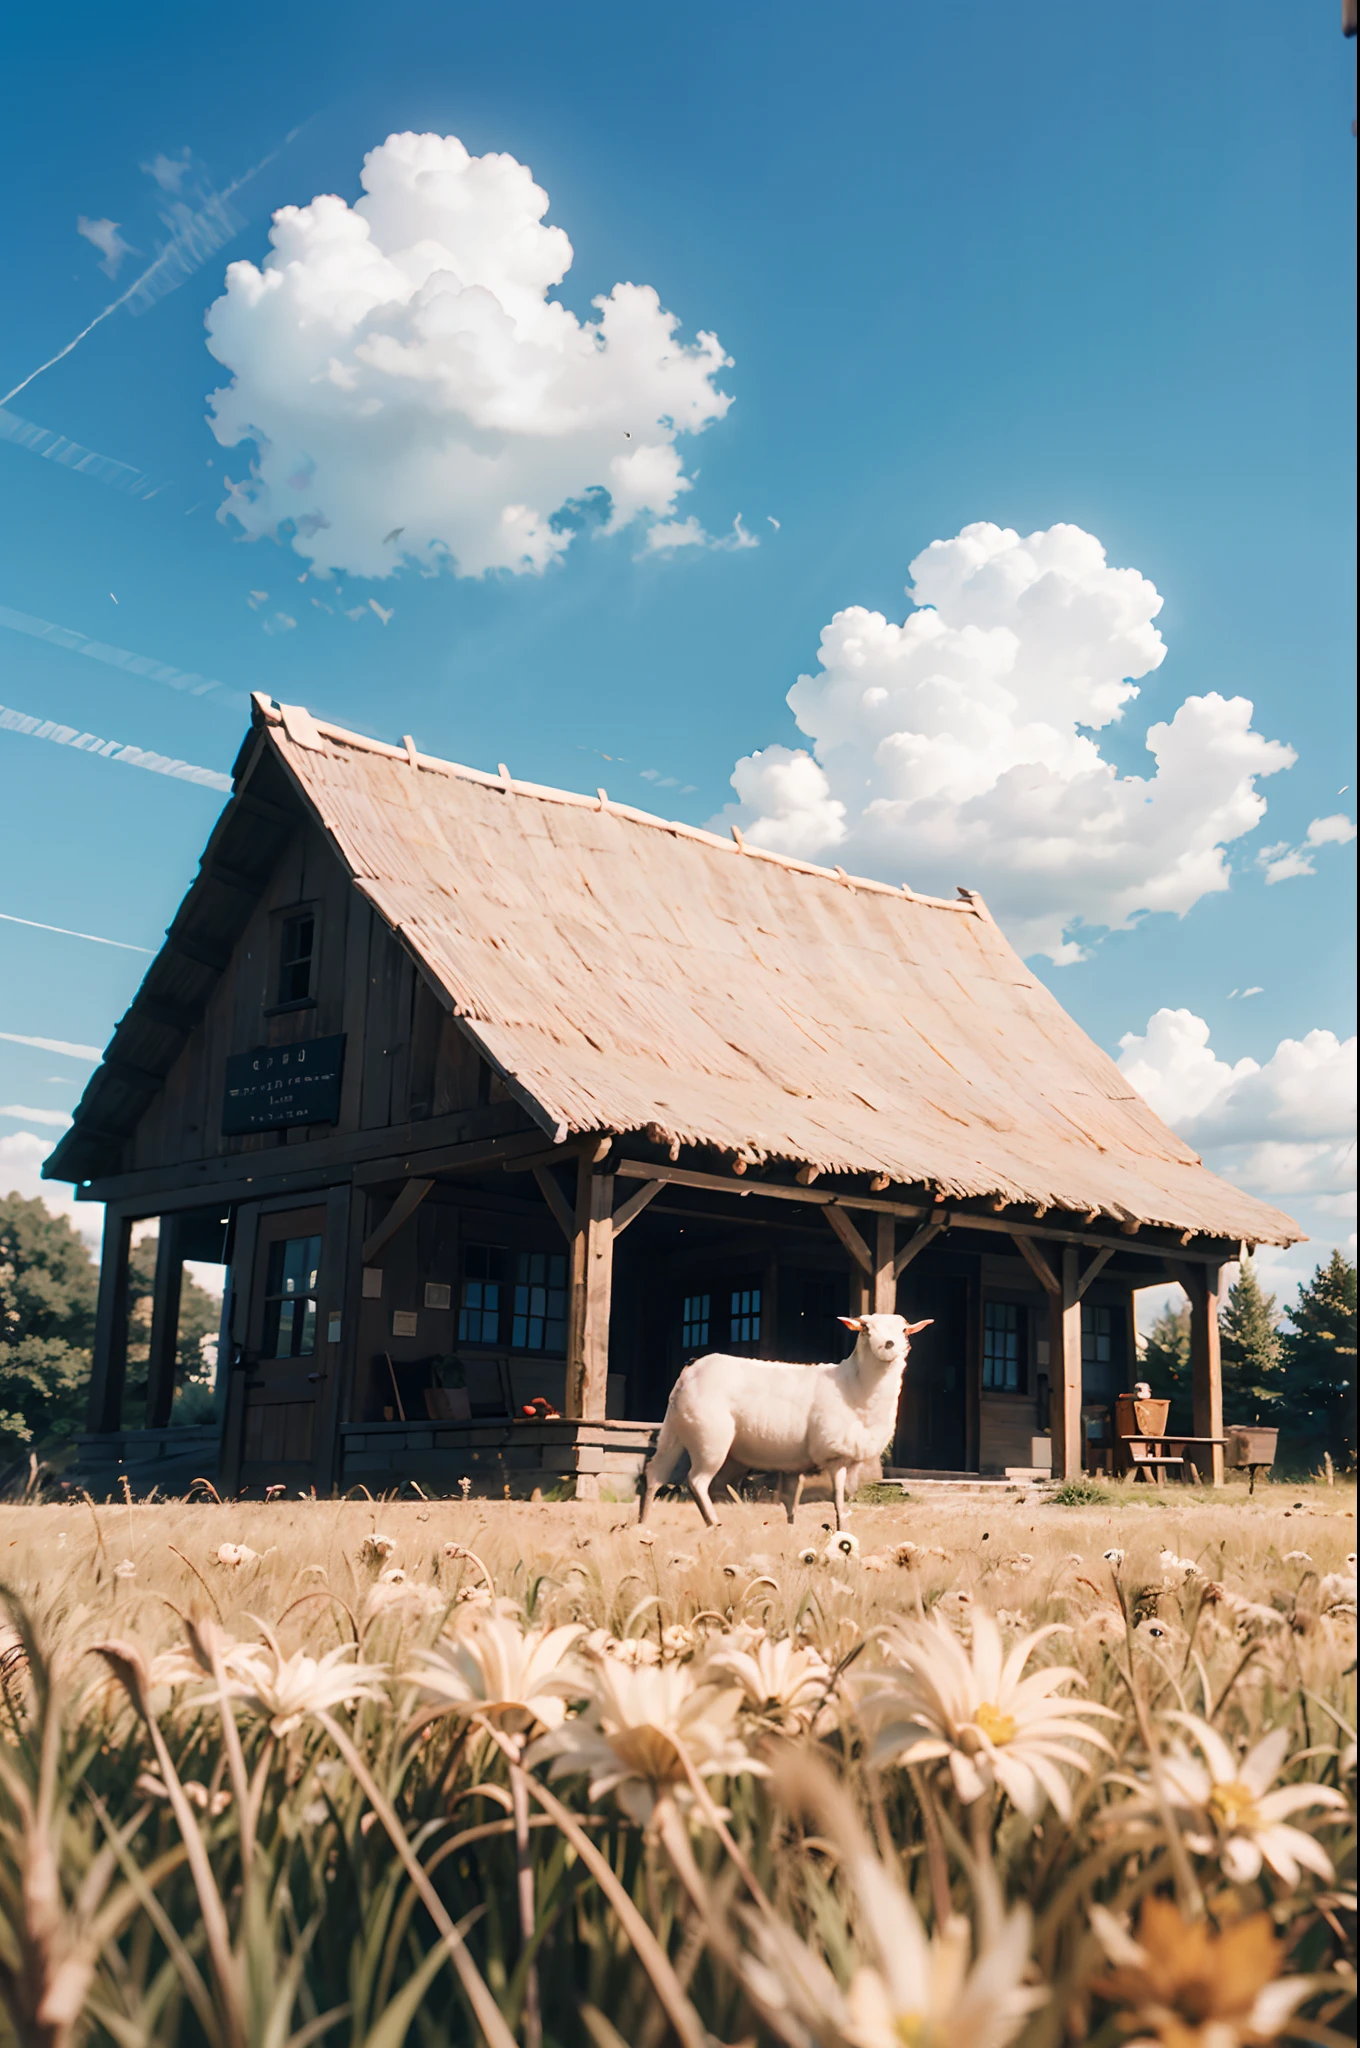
888 1338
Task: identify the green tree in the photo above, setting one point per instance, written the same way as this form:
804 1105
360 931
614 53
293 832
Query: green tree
1319 1364
1249 1337
1165 1361
48 1287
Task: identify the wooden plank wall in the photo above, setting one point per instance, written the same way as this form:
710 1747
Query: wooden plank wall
405 1056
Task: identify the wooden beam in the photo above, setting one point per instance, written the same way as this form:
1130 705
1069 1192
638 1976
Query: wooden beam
165 1298
109 1367
1039 1265
635 1204
1094 1270
556 1201
592 1279
850 1238
953 1219
917 1243
1064 1369
406 1204
1201 1284
885 1266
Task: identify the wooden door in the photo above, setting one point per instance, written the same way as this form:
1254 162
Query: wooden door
285 1356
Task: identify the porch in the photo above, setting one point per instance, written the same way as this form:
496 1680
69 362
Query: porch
393 1323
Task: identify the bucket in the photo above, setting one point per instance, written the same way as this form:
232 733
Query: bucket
1141 1418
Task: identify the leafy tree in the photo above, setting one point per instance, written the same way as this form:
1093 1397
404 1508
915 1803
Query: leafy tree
1249 1337
1319 1363
1165 1362
48 1288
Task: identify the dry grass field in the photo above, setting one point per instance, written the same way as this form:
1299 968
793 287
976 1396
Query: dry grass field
370 1773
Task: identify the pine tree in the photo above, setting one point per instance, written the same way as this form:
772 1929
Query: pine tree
1253 1367
48 1287
1165 1361
1320 1362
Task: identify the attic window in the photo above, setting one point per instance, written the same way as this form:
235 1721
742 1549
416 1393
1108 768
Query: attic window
296 951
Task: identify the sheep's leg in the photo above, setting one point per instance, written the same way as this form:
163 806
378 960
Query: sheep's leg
659 1467
698 1486
838 1487
791 1493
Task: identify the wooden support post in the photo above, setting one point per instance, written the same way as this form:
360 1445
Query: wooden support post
1201 1283
592 1274
1064 1366
109 1368
885 1266
164 1347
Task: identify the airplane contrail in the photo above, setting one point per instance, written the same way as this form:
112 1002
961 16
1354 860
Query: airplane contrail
61 929
188 248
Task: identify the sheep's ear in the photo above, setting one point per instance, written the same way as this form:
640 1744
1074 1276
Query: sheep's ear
851 1322
912 1328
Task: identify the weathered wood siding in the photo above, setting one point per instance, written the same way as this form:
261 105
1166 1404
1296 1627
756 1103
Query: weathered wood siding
405 1057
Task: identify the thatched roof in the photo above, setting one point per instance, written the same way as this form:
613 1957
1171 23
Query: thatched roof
629 974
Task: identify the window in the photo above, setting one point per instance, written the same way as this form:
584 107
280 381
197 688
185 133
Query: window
297 945
745 1315
694 1321
479 1302
1097 1335
290 1298
1003 1348
540 1313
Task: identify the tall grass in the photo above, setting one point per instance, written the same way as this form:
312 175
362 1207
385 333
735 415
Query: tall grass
386 1773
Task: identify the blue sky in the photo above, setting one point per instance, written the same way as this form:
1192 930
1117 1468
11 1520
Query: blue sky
1027 266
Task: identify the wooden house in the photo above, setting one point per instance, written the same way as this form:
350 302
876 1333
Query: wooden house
495 1098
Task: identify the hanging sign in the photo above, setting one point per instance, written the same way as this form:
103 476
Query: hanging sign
283 1084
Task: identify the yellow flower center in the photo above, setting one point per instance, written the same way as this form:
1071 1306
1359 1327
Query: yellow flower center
995 1725
1233 1806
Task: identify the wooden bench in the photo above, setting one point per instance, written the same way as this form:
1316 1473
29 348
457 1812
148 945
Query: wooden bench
1147 1460
1196 1451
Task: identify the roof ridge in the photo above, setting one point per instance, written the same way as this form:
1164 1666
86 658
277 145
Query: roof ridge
970 902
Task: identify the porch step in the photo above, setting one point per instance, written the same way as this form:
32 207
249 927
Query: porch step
923 1484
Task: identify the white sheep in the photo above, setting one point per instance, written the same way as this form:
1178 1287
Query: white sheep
784 1418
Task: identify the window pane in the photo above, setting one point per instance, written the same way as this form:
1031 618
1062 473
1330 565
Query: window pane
745 1315
481 1295
1003 1347
694 1321
295 958
289 1308
539 1319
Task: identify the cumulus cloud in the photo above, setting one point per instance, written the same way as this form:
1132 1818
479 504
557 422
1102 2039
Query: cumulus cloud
1285 1127
106 238
961 745
401 363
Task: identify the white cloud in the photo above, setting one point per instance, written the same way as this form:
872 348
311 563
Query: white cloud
1283 862
19 1113
1338 830
1305 1091
170 172
1285 1128
400 363
957 746
106 238
670 534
